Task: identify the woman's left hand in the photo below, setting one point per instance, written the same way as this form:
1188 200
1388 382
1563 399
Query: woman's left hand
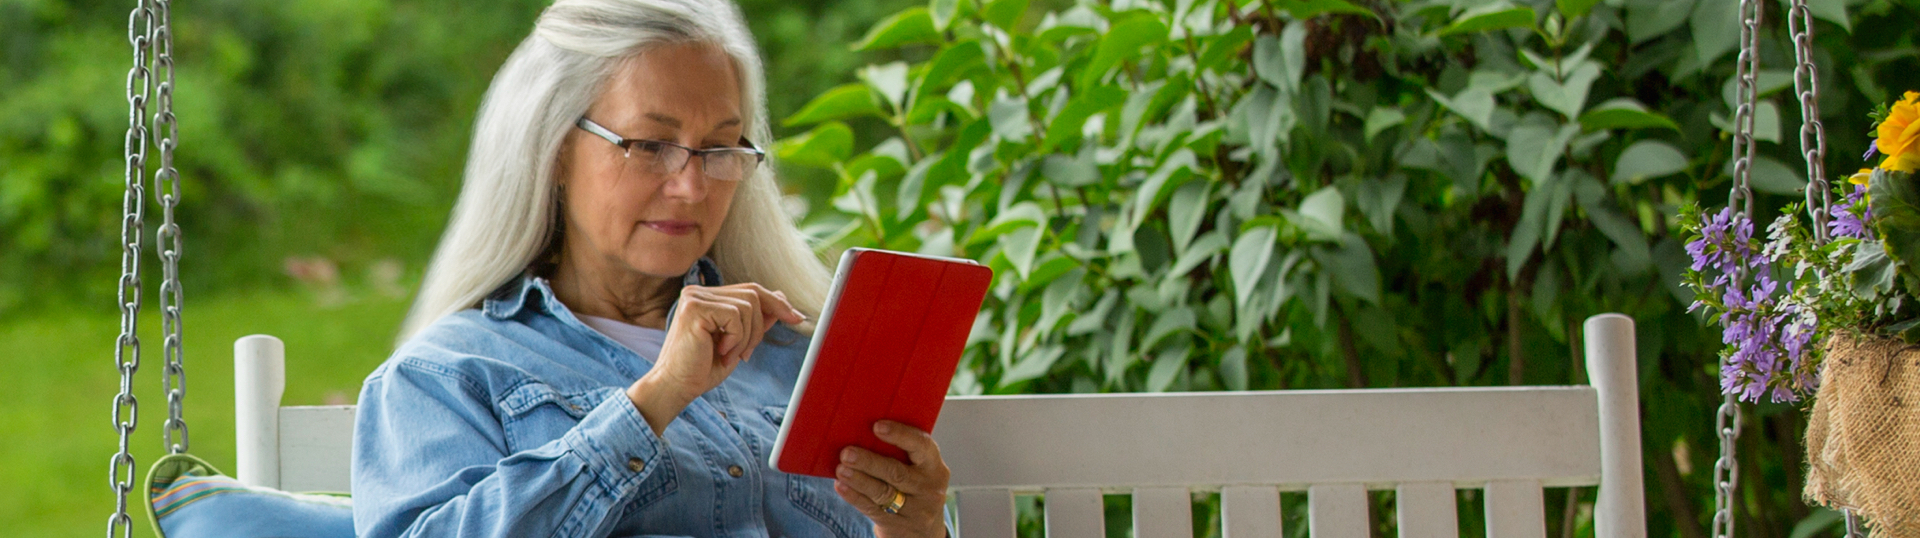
869 482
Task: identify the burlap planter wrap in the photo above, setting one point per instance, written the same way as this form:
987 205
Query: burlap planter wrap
1863 440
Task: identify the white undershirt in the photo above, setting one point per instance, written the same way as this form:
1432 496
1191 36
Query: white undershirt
641 340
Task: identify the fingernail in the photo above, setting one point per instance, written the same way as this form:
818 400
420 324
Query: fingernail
846 455
882 428
845 472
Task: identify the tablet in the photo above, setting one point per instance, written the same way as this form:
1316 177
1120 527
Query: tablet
885 347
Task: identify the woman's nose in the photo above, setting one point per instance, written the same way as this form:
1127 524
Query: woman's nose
690 183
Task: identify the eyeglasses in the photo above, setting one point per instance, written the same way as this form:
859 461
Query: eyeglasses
667 158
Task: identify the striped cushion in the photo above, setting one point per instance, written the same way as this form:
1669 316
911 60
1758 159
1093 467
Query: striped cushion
188 498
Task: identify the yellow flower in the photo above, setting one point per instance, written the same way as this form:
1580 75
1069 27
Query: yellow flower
1861 177
1900 135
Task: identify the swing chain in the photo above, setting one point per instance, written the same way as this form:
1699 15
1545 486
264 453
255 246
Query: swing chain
167 237
1813 137
126 408
1726 468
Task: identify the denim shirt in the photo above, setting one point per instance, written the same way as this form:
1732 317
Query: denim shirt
513 420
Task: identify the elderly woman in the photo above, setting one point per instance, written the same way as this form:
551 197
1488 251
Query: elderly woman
575 365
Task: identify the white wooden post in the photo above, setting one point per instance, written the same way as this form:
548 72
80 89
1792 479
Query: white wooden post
1076 513
1426 510
259 379
1613 372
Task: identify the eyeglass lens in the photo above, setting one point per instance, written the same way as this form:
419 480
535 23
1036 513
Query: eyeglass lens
669 159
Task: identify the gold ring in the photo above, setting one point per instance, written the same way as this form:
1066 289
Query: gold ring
898 500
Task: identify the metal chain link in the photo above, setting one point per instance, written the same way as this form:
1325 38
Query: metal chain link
1726 471
167 238
126 355
1813 137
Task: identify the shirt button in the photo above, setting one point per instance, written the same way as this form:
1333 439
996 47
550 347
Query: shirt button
636 465
735 471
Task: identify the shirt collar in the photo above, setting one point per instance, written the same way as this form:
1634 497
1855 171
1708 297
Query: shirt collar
514 296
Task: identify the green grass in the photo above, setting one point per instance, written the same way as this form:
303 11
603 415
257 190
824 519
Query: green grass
56 420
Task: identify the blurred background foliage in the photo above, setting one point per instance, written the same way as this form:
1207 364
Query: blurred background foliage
1177 195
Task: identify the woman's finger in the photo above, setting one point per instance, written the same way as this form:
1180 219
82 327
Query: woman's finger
888 470
859 501
920 446
874 490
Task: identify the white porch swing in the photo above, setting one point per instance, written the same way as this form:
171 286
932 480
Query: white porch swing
1336 445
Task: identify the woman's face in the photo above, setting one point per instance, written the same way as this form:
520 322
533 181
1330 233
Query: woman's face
621 216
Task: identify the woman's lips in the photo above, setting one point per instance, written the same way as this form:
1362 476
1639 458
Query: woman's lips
672 227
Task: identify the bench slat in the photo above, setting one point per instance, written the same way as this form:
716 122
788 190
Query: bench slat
1426 510
1516 509
1250 512
1337 511
1287 438
1162 513
986 513
1075 513
316 444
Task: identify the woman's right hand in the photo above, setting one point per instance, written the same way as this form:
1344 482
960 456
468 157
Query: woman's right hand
713 330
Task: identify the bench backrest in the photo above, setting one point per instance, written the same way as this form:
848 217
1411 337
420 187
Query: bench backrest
1508 442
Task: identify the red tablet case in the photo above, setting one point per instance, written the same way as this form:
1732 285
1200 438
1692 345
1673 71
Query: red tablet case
885 348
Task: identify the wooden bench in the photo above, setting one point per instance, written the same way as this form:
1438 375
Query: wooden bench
1336 445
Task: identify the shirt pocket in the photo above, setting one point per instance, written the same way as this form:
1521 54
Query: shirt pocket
537 413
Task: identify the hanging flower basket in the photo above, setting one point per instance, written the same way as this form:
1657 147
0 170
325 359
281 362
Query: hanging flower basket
1863 438
1823 306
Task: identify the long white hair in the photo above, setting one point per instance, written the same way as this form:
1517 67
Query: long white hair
508 211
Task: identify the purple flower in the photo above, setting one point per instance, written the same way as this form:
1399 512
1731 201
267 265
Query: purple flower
1850 218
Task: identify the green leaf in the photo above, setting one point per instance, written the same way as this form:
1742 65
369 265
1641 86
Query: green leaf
1834 11
842 102
914 25
1233 368
1224 48
1009 119
1770 176
1248 260
1716 29
1122 42
1352 267
1281 61
953 62
1323 213
1574 9
1202 250
1020 246
1624 232
1004 13
1492 16
1535 146
1473 103
1167 368
1896 215
1566 97
1172 173
1175 322
1033 365
1307 9
1068 171
888 80
1648 159
943 11
821 147
1650 19
1067 124
1381 119
1186 210
1624 113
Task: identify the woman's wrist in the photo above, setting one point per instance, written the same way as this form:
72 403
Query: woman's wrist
657 404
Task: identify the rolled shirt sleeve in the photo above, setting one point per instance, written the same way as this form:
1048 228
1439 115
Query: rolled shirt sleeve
431 459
